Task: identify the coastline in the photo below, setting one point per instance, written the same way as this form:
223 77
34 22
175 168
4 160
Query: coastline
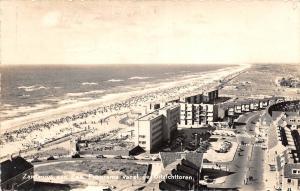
108 99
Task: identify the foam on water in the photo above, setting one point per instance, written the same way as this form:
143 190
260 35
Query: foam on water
27 88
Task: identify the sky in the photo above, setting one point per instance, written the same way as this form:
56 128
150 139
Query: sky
149 32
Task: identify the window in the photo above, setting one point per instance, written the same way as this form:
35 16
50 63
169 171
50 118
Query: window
142 136
289 180
142 142
296 171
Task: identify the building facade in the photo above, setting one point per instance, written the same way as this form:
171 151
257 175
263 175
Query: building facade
284 136
154 128
235 108
291 177
210 96
197 115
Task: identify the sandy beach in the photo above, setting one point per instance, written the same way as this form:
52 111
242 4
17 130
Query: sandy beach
90 115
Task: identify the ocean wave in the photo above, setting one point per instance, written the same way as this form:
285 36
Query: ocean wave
89 83
84 93
16 111
115 80
138 78
32 88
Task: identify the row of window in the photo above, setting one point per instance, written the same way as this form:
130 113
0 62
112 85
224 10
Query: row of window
294 120
296 171
142 142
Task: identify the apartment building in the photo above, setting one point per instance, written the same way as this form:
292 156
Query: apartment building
210 96
284 143
154 128
238 107
196 115
193 99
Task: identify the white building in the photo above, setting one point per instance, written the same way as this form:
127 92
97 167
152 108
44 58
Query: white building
154 128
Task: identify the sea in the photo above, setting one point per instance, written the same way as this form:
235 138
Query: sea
31 88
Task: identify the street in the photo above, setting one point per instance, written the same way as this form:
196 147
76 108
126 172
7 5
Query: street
247 164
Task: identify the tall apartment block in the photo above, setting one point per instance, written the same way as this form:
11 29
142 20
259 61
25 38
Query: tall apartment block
196 115
157 127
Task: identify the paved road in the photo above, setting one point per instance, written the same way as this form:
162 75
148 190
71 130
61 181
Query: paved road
255 160
257 168
248 160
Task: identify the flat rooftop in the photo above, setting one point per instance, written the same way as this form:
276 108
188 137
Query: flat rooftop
155 114
173 106
149 116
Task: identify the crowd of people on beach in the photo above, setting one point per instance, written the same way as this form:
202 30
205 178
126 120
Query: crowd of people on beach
102 113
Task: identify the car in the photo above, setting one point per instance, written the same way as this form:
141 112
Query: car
167 150
100 157
76 156
146 158
156 159
131 158
263 147
260 141
210 180
118 157
272 168
36 160
51 158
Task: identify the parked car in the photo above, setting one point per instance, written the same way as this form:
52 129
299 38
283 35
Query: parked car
100 157
51 158
272 168
131 158
118 157
36 160
76 155
146 158
156 159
